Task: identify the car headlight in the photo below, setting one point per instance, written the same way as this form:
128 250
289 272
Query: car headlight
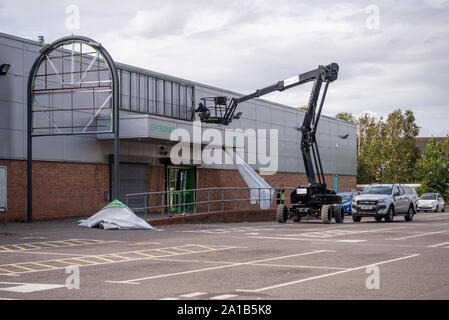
381 201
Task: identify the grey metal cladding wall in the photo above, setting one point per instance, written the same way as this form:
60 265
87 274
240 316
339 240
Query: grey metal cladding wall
257 114
338 155
13 97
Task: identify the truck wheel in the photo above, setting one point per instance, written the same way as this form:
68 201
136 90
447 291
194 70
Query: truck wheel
339 214
356 218
296 217
378 219
410 214
282 213
437 209
390 215
326 214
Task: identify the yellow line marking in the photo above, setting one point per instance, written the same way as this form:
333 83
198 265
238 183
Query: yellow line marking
181 249
104 259
205 247
7 270
142 243
21 267
31 245
117 256
67 243
33 238
49 244
19 247
145 254
44 265
84 260
69 263
81 241
171 252
4 248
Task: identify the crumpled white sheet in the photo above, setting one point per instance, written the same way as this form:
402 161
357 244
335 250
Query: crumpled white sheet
265 195
115 217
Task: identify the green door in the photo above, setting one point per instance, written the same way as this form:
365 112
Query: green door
336 184
179 180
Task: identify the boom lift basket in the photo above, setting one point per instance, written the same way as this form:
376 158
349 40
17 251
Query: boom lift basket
219 110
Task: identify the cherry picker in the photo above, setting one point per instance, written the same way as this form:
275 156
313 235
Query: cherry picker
313 199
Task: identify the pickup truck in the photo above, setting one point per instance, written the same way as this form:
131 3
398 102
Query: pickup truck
383 201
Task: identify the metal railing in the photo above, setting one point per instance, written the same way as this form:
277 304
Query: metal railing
161 204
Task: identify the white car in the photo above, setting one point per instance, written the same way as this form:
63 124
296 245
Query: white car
430 202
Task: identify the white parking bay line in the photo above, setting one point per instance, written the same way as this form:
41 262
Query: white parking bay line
420 235
438 245
136 281
192 295
224 296
325 275
312 239
30 287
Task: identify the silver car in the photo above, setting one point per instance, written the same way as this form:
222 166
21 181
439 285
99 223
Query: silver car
383 201
430 202
412 194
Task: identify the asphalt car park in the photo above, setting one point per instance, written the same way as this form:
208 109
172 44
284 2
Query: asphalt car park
258 260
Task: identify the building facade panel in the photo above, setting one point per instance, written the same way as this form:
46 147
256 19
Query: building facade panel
76 169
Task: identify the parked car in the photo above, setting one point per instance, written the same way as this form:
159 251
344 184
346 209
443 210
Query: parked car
346 201
431 202
383 201
411 192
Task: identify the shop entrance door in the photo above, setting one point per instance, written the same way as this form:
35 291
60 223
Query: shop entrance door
336 184
180 179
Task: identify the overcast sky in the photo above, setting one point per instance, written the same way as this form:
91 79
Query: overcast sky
392 54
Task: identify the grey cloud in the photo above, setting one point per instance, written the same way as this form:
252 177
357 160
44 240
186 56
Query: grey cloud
403 64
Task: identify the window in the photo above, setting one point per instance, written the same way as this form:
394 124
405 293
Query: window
395 190
148 94
378 190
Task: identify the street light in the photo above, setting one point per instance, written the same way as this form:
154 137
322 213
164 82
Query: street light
382 168
4 68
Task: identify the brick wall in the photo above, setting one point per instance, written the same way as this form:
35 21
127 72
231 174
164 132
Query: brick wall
59 189
209 178
62 189
156 183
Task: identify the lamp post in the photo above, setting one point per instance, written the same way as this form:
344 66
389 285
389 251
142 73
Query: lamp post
382 168
4 68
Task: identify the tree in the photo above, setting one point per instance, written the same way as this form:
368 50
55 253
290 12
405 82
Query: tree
433 168
368 148
346 116
389 144
399 151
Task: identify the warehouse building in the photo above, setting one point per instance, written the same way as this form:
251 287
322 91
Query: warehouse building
72 174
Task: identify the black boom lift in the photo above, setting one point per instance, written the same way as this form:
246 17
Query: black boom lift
313 199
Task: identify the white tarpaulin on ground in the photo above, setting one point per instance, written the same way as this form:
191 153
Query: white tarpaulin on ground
115 215
261 191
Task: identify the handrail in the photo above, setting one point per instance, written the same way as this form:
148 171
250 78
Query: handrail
167 202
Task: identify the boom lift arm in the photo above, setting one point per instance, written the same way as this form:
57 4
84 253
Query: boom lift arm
224 113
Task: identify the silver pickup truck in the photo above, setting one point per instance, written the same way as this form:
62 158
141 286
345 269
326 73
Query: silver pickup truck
383 201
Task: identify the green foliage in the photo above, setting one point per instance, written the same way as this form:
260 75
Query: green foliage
346 116
388 143
432 169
